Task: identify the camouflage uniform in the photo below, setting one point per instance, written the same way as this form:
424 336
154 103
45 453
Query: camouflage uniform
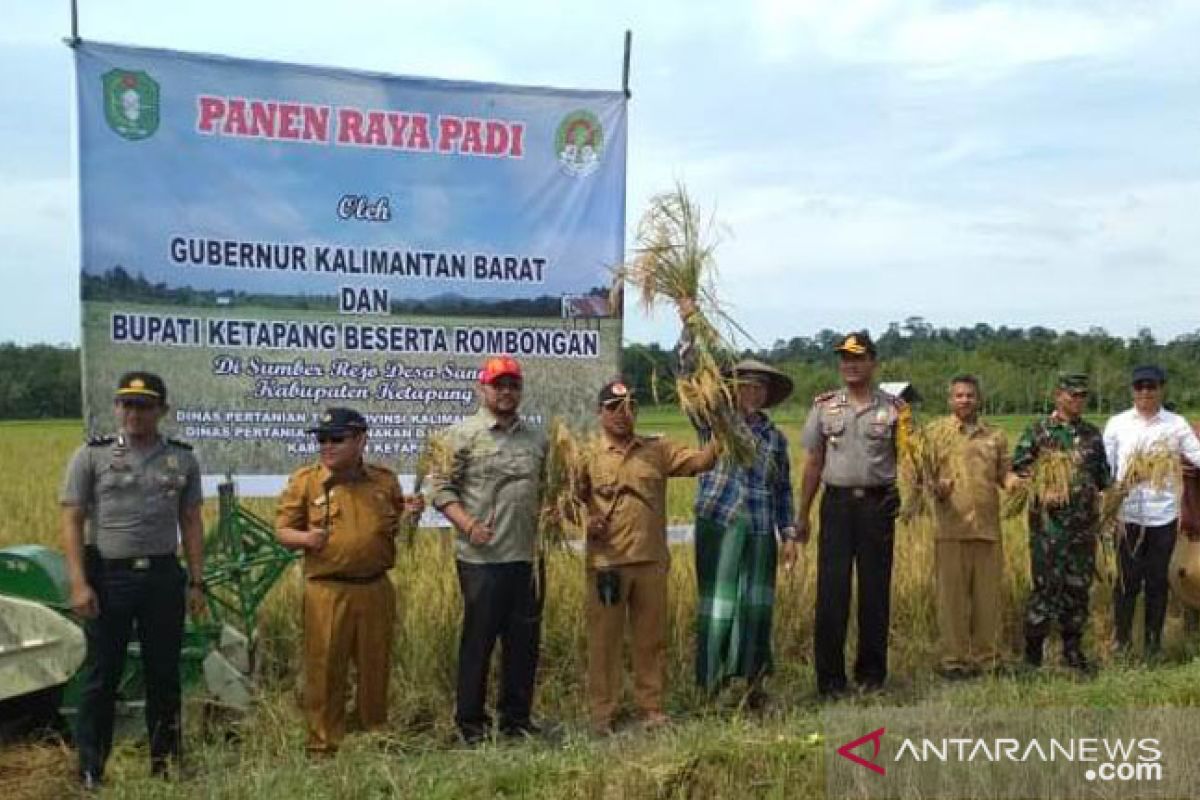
1062 539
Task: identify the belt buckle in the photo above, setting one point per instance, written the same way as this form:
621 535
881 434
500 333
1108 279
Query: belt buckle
141 563
859 492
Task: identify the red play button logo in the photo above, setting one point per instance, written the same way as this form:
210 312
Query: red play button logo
846 751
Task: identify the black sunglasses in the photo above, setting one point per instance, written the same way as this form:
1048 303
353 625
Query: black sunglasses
330 438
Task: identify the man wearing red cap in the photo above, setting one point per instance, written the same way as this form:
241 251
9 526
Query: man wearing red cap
491 497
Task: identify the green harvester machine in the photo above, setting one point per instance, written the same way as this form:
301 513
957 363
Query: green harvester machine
42 643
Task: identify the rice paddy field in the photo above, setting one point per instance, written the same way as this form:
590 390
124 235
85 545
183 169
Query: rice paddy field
715 748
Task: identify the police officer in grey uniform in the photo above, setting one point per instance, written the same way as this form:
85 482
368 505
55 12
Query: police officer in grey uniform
126 500
850 438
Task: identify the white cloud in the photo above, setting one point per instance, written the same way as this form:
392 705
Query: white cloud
948 39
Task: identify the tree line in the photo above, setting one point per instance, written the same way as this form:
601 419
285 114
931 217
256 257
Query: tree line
1017 366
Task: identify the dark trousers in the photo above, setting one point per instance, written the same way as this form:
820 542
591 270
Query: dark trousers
857 533
1144 556
153 601
501 602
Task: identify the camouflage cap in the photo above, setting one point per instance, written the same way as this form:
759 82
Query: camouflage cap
1072 381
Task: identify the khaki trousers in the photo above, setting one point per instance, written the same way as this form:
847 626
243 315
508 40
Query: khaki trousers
346 622
969 574
643 601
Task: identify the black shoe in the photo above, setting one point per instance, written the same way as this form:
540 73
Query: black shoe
834 690
1076 660
955 673
515 730
1034 651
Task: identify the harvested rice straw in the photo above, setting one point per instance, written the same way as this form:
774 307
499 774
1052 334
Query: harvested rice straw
1049 485
562 509
436 458
1155 467
673 260
926 457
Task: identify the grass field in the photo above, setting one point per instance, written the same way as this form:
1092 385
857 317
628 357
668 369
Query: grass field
715 749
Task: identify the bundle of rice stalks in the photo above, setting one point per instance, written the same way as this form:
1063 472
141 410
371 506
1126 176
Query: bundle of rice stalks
673 261
436 458
926 458
562 512
1049 484
1155 467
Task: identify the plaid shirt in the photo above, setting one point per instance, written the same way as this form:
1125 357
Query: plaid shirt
762 491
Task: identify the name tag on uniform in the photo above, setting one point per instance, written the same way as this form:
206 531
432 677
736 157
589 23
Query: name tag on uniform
141 563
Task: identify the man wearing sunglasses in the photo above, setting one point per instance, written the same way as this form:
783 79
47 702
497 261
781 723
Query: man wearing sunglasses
1149 516
344 514
1063 532
491 494
624 488
126 500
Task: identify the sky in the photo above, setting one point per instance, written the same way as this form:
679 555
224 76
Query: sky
1019 163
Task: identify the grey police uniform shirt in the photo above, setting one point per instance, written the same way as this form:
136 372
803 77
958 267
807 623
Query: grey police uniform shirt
859 445
133 499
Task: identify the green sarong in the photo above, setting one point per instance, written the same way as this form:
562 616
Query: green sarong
735 573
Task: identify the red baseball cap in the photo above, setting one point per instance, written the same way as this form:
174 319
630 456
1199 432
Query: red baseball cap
499 366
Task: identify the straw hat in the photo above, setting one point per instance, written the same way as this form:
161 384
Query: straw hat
779 385
1184 572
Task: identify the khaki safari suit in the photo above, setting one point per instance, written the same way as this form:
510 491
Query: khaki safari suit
627 486
349 602
969 558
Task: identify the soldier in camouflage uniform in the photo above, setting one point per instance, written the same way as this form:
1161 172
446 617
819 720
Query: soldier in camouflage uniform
1062 537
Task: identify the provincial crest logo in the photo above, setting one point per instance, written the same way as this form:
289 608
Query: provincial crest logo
131 103
579 143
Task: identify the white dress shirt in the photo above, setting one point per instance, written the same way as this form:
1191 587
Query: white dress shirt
1130 432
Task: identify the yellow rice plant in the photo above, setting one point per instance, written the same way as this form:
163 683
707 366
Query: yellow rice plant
562 512
1049 484
436 458
674 261
1155 467
926 458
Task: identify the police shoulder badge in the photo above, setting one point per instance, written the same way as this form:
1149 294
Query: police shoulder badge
131 103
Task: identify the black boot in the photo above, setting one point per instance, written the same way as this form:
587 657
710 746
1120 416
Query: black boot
1033 650
1073 655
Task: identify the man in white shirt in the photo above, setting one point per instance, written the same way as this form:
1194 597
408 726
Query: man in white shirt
1149 517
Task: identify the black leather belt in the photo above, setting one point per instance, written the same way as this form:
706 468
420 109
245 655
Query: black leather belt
135 563
860 491
348 578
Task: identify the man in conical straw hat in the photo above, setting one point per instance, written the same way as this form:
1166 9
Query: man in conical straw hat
740 510
1149 516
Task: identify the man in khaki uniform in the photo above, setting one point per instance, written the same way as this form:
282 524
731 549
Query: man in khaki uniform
969 560
628 562
344 515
